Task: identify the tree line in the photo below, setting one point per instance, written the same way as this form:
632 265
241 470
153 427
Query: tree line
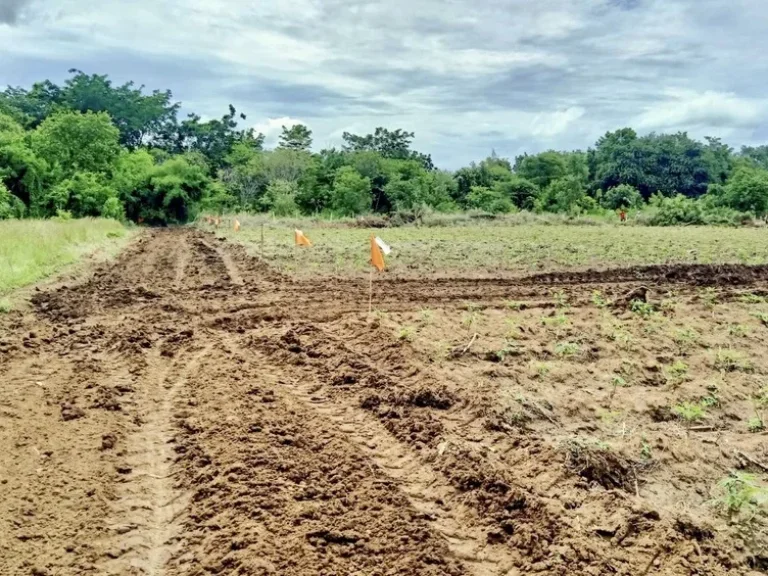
92 148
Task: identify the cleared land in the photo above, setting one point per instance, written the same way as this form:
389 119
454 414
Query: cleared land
192 410
496 251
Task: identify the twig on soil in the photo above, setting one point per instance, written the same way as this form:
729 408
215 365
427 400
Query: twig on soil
751 460
702 429
470 344
655 556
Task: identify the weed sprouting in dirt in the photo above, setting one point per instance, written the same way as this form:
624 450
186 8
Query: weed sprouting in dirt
514 305
555 320
596 461
756 424
599 300
406 333
762 316
738 330
686 339
642 309
689 412
708 297
740 497
751 299
728 360
426 316
676 373
5 306
567 349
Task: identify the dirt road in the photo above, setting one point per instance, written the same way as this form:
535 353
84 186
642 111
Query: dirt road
189 411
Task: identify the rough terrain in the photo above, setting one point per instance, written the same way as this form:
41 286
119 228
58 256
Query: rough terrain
187 410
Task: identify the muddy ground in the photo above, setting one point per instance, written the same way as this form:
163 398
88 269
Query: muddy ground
187 410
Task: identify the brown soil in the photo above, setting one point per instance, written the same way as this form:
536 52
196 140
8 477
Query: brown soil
187 410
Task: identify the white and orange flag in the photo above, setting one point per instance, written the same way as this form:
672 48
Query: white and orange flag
237 225
301 240
377 247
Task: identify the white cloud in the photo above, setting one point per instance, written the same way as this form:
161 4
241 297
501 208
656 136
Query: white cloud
553 123
688 109
273 127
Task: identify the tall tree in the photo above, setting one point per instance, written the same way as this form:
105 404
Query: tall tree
298 137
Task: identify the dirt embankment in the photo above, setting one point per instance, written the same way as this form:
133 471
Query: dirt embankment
189 411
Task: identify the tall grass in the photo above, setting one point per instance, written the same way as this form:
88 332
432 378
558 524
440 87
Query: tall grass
31 250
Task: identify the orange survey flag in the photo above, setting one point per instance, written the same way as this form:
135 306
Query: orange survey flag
377 259
237 225
302 240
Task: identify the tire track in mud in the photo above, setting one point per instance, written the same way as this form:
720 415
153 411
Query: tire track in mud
427 491
145 517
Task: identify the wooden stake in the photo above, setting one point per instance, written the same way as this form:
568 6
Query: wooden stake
370 293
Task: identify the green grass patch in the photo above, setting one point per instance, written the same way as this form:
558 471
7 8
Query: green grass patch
31 250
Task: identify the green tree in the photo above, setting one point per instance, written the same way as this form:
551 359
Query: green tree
622 196
298 137
351 192
10 205
564 195
520 191
488 200
747 191
72 142
394 144
542 169
280 198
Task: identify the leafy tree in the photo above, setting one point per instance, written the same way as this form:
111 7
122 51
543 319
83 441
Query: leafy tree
441 189
747 191
113 208
522 192
351 192
542 169
756 155
298 137
488 200
31 107
72 142
280 198
622 196
284 164
395 144
565 195
87 193
141 118
10 205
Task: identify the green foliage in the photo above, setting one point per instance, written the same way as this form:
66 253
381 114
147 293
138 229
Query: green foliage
740 497
280 198
298 137
690 412
622 196
84 194
488 200
351 193
565 195
72 142
10 205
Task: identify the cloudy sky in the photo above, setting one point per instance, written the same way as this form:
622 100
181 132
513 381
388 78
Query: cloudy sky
467 77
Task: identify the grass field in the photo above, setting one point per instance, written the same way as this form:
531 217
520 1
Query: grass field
31 250
497 250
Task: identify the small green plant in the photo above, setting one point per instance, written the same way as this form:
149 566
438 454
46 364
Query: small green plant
561 299
728 360
676 373
708 297
740 497
762 316
510 348
599 300
622 338
761 398
752 299
710 401
541 369
426 315
686 338
556 320
5 306
514 305
738 330
668 306
619 382
642 309
567 349
469 320
645 450
406 333
690 412
756 424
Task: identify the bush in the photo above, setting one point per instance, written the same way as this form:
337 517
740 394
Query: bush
351 192
621 196
114 209
521 192
10 205
489 200
280 198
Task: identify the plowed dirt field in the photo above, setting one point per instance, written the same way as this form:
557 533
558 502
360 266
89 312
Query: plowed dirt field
187 410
